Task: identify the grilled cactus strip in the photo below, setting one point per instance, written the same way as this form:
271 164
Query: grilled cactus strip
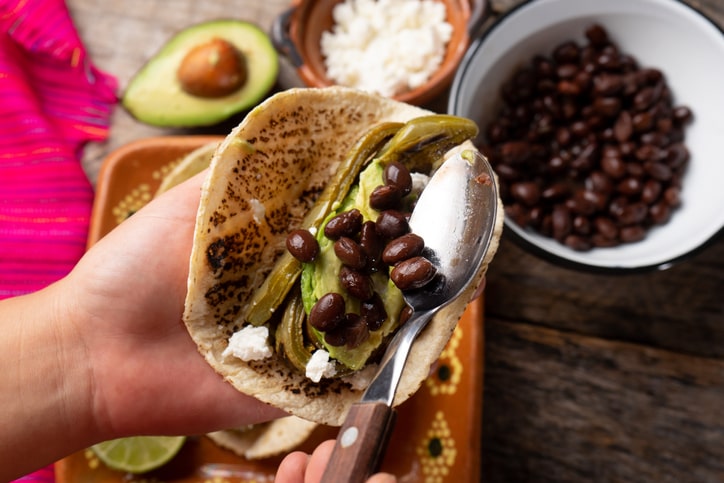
422 142
290 336
286 270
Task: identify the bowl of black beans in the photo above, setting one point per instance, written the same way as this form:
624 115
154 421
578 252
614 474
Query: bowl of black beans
603 122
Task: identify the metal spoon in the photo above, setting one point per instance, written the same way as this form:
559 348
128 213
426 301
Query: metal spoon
455 216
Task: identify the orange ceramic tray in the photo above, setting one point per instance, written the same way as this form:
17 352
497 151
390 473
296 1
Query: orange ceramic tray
437 436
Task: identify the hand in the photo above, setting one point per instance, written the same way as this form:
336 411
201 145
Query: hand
103 353
299 467
129 293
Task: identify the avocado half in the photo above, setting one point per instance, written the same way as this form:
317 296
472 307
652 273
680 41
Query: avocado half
155 94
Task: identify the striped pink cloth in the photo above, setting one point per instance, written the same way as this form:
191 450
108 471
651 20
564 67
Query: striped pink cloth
52 101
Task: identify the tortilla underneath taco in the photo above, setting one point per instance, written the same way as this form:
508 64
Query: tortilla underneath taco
264 179
267 439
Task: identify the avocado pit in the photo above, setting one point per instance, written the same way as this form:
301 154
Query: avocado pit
212 69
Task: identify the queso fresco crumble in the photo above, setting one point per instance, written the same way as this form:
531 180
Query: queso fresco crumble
385 46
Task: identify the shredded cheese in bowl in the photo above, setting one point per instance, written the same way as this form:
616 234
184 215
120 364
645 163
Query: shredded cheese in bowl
385 46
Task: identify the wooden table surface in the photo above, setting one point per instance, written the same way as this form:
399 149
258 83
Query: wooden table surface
588 377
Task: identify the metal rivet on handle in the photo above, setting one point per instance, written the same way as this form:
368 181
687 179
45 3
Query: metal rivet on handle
349 437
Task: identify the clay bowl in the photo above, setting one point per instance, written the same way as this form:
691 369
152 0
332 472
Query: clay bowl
297 33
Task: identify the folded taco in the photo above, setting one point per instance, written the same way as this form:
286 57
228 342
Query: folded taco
291 295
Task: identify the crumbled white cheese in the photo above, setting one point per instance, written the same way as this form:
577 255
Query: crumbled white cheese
249 344
258 210
319 366
385 46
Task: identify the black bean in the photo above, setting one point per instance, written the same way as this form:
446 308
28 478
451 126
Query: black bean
633 233
527 192
347 223
658 171
356 331
568 88
677 155
629 186
671 196
642 121
327 313
350 253
302 245
357 284
650 191
582 203
397 175
597 36
644 99
555 191
607 84
403 247
660 212
391 224
607 106
562 222
567 71
567 52
581 225
405 314
373 312
682 114
602 242
623 128
633 213
577 243
613 166
385 197
336 337
412 273
515 152
372 245
606 227
599 181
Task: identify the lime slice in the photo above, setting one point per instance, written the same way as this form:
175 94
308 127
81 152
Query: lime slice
138 454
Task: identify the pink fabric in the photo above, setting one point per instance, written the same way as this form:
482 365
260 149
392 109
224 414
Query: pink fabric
52 101
46 475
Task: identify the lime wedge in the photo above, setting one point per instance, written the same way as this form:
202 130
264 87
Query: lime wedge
138 454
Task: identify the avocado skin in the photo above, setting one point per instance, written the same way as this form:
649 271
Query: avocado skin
154 95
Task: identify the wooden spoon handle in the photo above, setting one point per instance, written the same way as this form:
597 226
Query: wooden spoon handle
361 443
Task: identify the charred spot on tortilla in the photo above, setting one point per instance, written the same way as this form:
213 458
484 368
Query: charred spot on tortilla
217 218
231 252
224 292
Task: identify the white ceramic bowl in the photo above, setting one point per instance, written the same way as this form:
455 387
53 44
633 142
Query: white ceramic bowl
666 34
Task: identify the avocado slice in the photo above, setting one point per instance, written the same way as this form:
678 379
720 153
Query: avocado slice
242 67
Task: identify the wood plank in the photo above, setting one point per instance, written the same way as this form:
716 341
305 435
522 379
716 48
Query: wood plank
564 407
679 309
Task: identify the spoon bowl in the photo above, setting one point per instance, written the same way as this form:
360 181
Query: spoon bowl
455 216
457 233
